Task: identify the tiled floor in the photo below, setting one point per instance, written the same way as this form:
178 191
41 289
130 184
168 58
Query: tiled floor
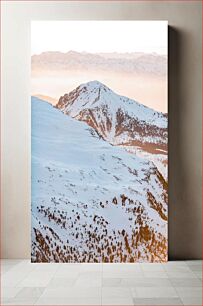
173 283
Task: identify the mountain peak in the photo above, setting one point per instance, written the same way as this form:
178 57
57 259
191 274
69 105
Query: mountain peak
94 94
95 85
119 120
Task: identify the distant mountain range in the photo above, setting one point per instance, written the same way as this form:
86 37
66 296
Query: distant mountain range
152 64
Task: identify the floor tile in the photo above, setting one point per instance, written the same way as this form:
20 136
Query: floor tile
68 271
94 267
177 268
46 267
146 282
186 282
115 292
175 263
178 274
90 274
73 292
154 292
171 283
123 274
198 274
13 262
4 301
15 275
193 262
157 301
111 282
61 282
9 292
192 301
37 279
6 268
118 301
189 291
30 292
122 270
89 279
196 268
155 274
149 267
89 282
69 301
22 301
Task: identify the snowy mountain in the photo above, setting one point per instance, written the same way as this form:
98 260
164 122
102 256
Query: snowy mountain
91 201
119 120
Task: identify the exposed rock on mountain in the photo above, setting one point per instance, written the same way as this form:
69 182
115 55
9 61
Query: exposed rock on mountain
119 120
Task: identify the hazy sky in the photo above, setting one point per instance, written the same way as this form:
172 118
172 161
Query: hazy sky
96 37
99 36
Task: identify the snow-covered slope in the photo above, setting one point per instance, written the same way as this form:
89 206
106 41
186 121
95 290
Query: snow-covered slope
119 120
91 201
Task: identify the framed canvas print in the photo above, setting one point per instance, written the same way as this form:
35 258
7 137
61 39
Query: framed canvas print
99 141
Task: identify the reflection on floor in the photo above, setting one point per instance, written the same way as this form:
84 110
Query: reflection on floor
172 283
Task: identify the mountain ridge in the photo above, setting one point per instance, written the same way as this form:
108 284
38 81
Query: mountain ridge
120 121
116 118
136 62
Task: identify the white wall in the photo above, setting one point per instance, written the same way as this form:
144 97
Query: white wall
184 112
